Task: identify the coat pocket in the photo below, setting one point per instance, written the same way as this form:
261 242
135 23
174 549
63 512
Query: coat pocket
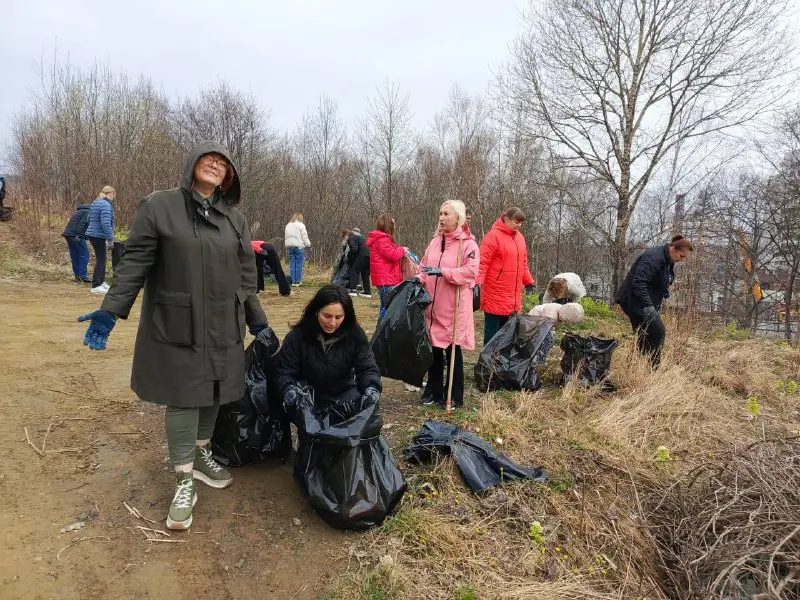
241 297
172 317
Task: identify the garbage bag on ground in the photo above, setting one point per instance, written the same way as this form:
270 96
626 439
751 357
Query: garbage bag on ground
481 465
511 359
588 358
401 342
343 464
256 427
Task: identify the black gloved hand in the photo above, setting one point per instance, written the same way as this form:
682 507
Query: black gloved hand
650 313
372 395
432 271
529 289
290 397
254 329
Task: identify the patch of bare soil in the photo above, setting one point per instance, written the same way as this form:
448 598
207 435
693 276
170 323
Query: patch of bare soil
94 446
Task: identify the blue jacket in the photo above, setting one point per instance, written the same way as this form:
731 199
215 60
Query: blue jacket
78 222
101 220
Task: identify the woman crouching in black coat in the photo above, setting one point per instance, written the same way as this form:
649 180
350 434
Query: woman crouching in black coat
328 350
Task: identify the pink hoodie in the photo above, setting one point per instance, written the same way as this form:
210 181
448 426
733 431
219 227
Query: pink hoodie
440 313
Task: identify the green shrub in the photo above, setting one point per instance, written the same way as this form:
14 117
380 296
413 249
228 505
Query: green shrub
529 301
592 308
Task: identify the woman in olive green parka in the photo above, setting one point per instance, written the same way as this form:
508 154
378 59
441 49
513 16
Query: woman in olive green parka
189 248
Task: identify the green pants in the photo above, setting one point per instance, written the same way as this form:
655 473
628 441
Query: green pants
184 427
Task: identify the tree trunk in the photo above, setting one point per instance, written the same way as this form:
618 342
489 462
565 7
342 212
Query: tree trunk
619 246
787 299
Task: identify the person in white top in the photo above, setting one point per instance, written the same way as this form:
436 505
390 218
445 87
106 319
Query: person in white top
296 240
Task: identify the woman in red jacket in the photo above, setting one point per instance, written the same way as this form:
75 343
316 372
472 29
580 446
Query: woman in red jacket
384 259
503 271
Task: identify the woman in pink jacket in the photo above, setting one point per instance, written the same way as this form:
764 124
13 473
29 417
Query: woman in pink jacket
384 258
446 271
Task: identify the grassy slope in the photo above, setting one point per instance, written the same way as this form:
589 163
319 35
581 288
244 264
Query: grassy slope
581 535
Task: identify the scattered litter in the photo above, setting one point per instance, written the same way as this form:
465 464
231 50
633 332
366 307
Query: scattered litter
296 522
74 527
481 465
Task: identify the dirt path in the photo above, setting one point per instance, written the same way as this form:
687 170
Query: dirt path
106 447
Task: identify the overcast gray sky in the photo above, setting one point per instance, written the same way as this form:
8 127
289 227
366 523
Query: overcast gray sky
287 53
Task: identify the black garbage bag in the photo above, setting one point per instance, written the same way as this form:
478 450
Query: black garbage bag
341 274
401 342
256 427
343 464
481 465
588 358
511 359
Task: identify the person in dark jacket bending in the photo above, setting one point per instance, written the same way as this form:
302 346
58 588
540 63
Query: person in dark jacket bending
358 259
644 290
189 248
327 350
75 234
267 254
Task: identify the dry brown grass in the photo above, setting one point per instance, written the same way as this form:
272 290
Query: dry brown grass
600 451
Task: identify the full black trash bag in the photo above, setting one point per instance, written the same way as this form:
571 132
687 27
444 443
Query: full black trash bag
511 359
481 465
256 427
589 358
401 342
341 274
343 464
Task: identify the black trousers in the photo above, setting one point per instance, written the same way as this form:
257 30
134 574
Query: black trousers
359 271
269 256
99 246
436 387
650 336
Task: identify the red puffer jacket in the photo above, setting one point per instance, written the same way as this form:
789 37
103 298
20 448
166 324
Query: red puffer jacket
384 259
503 270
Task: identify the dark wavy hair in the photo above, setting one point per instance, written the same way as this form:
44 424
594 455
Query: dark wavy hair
330 294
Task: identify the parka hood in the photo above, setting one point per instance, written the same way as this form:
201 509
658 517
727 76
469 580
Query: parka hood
83 207
233 194
501 226
374 235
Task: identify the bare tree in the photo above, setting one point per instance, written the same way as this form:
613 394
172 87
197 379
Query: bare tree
616 85
391 140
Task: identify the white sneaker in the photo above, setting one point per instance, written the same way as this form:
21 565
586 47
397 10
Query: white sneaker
366 295
99 290
105 285
353 294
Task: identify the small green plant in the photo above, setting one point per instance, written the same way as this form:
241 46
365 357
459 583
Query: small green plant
120 235
464 592
529 301
662 454
788 387
753 407
735 333
536 535
600 310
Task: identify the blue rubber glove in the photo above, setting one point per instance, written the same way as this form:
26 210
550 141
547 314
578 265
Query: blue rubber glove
529 289
372 395
432 271
254 329
102 322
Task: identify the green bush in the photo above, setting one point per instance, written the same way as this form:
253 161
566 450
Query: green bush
529 301
592 308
